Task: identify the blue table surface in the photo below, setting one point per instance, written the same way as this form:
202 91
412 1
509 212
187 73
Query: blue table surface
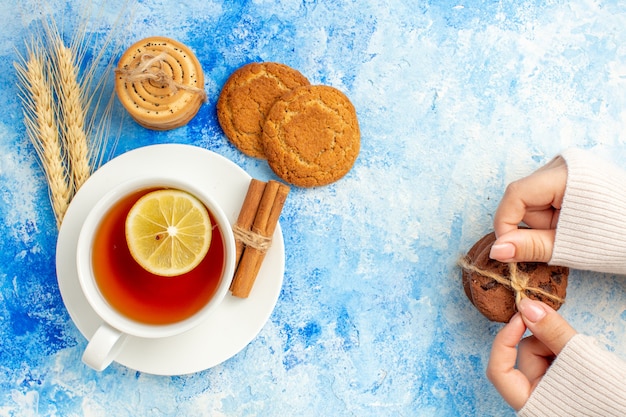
454 101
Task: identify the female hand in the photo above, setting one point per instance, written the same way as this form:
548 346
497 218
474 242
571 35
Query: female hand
533 355
535 200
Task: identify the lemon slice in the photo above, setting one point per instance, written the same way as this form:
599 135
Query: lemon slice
168 232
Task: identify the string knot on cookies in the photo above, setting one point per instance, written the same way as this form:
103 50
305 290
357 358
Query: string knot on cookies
495 287
516 280
151 68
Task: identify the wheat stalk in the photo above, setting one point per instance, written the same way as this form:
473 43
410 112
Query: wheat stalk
42 130
62 108
72 104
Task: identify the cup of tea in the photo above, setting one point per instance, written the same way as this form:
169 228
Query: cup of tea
132 301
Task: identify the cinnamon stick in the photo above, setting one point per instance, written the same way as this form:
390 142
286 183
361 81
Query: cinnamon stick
264 225
248 213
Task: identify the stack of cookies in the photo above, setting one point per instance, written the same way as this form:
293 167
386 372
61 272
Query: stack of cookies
309 134
160 82
489 285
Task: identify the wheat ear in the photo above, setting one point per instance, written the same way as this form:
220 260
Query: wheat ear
72 102
41 128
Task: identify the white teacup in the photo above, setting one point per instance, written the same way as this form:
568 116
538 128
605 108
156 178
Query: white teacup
108 339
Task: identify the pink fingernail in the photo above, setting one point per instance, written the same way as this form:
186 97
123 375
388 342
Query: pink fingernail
502 251
531 309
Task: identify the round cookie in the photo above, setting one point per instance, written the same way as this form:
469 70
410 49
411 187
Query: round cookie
160 82
497 301
246 99
311 136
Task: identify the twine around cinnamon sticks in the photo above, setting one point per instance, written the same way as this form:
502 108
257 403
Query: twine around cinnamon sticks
253 231
516 281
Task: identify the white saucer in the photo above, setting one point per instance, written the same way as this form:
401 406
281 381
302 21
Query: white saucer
235 323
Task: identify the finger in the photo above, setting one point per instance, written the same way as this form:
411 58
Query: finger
534 359
542 190
524 245
546 324
542 219
512 384
504 348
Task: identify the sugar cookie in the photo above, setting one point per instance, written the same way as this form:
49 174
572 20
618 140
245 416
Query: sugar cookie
246 99
311 136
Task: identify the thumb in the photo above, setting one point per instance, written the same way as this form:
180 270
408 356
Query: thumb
524 245
546 324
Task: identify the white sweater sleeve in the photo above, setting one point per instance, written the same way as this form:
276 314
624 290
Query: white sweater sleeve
591 231
584 380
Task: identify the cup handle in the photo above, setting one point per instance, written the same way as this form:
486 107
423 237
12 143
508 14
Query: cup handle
103 347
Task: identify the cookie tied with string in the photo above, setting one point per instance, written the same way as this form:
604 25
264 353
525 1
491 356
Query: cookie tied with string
160 82
495 287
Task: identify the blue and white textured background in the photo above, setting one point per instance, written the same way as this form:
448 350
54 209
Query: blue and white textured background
455 99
